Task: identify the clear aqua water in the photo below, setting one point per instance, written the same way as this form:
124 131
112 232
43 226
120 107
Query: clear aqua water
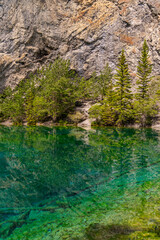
69 183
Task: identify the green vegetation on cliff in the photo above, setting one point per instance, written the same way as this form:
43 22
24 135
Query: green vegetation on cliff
121 106
52 93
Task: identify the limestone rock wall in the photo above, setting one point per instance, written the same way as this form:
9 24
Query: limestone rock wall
88 32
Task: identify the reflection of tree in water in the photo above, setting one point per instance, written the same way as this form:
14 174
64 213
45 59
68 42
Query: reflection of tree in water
83 171
44 161
126 149
41 162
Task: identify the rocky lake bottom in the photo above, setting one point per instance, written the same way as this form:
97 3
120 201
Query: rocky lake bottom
68 183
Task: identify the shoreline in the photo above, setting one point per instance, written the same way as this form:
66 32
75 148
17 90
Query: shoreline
9 123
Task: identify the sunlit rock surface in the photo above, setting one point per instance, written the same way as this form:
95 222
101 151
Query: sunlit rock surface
89 33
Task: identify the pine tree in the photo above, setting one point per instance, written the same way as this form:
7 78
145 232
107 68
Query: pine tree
123 95
144 70
98 85
104 81
145 107
30 117
108 114
29 98
104 111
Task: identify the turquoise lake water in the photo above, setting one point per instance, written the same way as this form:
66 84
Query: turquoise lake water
68 183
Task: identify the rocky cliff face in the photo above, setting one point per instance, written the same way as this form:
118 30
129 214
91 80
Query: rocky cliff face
88 32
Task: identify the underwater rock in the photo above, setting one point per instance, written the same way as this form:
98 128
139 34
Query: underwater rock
11 226
97 231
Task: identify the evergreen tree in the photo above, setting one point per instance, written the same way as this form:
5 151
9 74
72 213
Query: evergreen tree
97 86
145 107
104 111
123 95
144 70
108 113
60 89
30 116
104 81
